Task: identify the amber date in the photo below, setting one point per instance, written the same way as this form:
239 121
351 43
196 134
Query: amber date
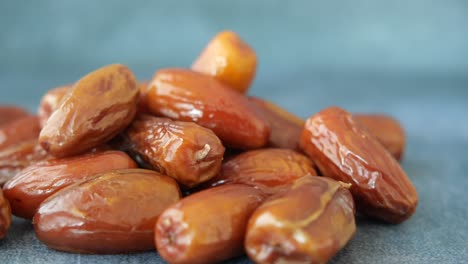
285 127
10 113
15 132
35 183
309 223
229 59
345 151
5 215
97 108
386 130
269 170
17 157
208 226
114 212
50 102
185 151
189 96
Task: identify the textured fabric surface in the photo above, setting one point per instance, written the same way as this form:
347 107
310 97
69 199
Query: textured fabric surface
407 59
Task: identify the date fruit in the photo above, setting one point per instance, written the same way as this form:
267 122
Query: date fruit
35 183
309 223
386 130
190 96
185 151
5 215
20 130
269 170
97 108
286 128
208 226
229 59
50 102
10 113
345 151
114 212
17 157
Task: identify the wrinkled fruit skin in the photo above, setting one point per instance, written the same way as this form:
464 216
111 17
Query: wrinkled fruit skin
19 130
386 130
17 157
50 102
10 113
35 183
97 108
114 212
345 151
5 215
286 128
269 170
309 223
185 151
208 226
229 59
189 96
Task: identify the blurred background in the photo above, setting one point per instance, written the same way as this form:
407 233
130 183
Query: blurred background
405 58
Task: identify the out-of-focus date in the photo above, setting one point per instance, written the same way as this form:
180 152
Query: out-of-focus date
5 215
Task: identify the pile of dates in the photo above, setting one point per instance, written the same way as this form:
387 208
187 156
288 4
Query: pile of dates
191 166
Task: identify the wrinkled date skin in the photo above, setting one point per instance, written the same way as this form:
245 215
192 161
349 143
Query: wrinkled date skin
5 215
190 96
185 151
15 132
50 102
309 223
286 128
97 108
386 130
229 59
114 212
269 170
10 113
347 152
208 226
17 157
35 183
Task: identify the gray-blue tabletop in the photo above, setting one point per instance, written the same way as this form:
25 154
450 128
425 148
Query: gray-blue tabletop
405 58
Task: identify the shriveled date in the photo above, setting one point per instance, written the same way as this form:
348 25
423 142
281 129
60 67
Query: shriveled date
111 213
269 170
35 183
5 215
50 102
185 151
208 226
345 151
96 109
309 223
190 96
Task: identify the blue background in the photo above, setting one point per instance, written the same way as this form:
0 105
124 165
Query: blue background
405 58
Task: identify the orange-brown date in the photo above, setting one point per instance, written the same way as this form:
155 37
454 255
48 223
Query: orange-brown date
143 88
309 223
269 170
5 215
229 59
35 183
10 113
285 127
190 96
50 102
386 130
344 150
208 226
97 108
17 157
185 151
114 212
17 131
